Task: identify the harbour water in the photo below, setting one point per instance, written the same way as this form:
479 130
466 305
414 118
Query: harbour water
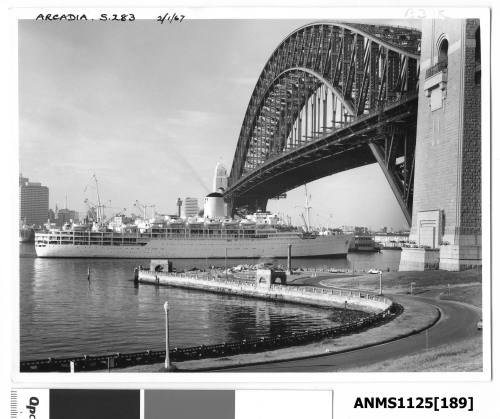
63 314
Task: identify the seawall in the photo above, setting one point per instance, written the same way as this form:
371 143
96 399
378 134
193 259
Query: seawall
321 297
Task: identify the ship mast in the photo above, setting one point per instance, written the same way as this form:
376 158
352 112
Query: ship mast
307 207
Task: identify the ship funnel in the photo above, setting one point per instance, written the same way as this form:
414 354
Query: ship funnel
214 206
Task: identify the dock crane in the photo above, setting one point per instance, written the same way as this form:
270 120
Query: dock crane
91 210
144 208
97 209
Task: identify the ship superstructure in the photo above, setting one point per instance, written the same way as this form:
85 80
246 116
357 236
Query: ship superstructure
213 235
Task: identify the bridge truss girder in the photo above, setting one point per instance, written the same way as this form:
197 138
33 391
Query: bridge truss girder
323 79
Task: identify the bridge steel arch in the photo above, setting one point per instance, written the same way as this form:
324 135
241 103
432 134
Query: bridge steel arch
331 97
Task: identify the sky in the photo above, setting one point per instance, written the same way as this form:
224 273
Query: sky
150 109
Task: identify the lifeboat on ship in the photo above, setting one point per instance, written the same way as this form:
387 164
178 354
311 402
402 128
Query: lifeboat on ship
247 224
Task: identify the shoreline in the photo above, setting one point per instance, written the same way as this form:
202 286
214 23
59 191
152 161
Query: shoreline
376 309
418 315
416 318
402 326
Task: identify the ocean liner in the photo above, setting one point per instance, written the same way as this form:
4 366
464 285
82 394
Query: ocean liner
211 236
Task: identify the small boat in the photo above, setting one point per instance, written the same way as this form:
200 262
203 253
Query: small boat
228 223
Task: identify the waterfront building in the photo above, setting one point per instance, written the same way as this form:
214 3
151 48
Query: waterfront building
391 240
33 202
357 230
190 207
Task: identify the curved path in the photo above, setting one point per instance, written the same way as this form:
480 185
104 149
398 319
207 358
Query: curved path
458 321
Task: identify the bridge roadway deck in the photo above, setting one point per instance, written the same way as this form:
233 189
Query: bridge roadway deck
331 153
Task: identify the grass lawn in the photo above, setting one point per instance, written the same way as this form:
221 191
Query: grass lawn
463 356
400 282
468 294
465 287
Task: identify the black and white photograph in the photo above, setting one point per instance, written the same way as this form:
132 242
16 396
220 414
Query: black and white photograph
252 194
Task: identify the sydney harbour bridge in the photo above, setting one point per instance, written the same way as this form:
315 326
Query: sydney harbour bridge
331 97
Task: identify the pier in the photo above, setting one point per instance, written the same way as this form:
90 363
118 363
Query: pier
320 297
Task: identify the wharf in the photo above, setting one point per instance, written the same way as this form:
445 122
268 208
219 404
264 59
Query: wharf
321 297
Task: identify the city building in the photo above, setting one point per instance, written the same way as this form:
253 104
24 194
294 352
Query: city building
52 216
65 215
190 207
220 177
33 202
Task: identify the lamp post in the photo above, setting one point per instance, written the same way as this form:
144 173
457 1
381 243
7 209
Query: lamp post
167 354
380 282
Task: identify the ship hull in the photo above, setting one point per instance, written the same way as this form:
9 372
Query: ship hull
26 235
276 247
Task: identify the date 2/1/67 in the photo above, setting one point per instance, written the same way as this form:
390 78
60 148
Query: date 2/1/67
170 18
118 18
